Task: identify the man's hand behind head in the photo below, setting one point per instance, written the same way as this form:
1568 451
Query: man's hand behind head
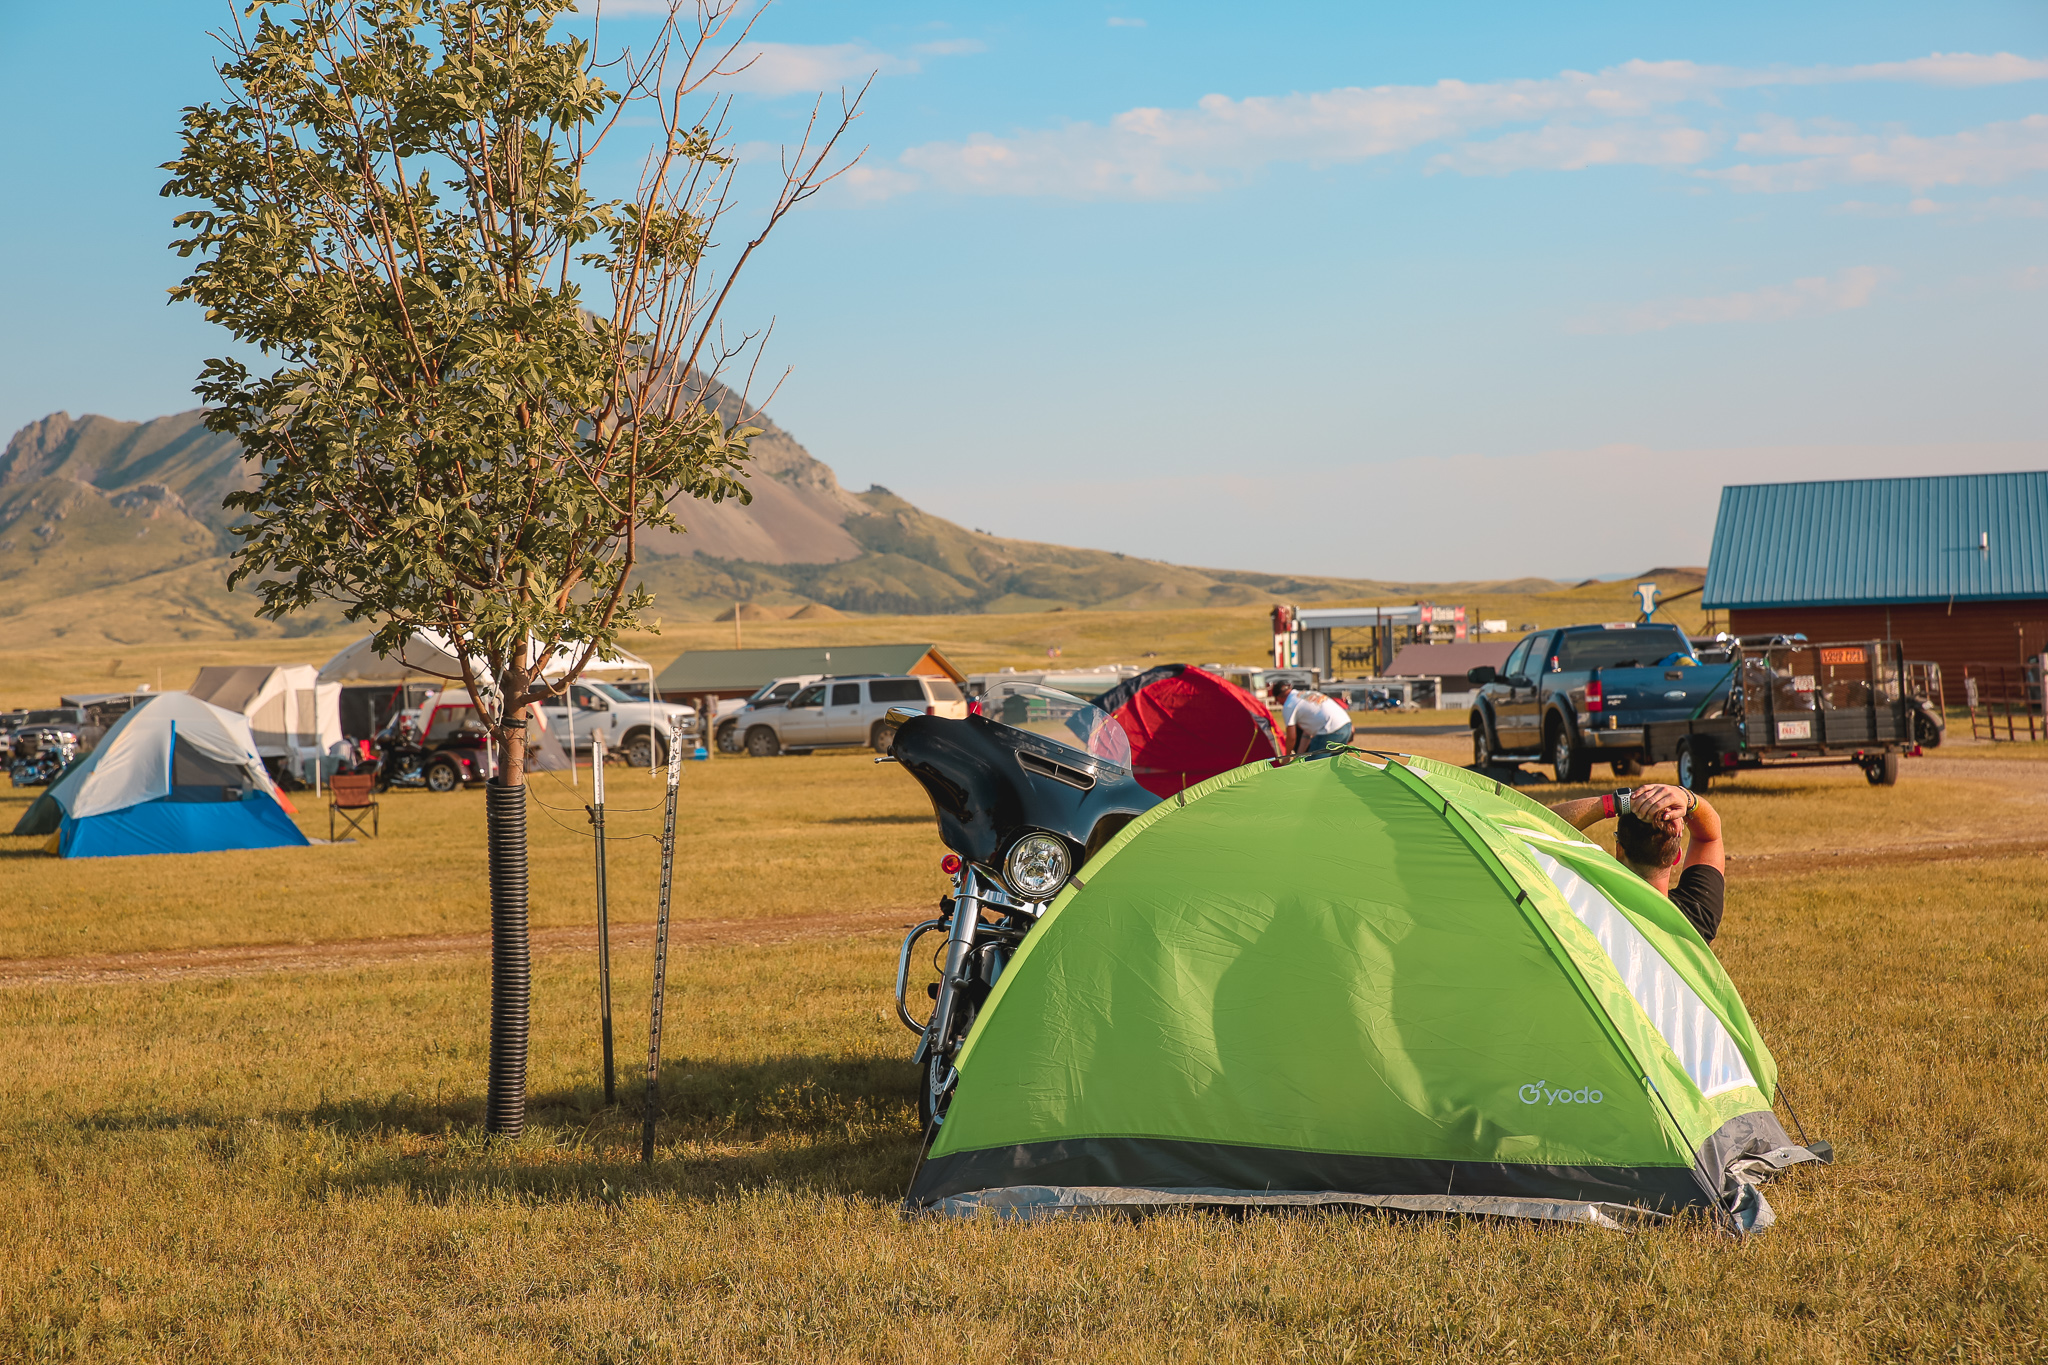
1659 804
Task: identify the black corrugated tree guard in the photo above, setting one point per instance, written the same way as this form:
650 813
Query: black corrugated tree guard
442 433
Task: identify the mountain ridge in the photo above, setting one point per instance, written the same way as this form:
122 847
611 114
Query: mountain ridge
119 526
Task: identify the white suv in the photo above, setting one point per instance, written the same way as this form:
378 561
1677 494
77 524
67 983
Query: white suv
846 711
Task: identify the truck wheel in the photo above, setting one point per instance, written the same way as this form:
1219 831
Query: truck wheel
443 776
1632 766
1568 763
1882 770
1481 758
1695 770
880 737
729 738
1926 733
762 742
644 749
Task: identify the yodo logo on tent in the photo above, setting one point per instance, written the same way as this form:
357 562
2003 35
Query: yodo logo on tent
1540 1092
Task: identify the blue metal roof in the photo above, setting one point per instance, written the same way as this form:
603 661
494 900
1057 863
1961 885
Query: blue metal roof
1962 538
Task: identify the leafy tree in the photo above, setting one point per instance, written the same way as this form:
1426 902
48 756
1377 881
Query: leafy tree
396 212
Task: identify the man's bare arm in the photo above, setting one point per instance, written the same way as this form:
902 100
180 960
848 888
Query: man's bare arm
1583 813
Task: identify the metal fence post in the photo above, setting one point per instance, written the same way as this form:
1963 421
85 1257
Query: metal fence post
604 927
668 861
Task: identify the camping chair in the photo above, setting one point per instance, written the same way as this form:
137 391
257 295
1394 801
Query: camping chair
349 795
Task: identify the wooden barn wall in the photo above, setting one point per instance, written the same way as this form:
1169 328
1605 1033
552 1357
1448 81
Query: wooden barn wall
1968 632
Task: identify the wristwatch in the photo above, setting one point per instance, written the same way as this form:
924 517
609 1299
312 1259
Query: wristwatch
1616 802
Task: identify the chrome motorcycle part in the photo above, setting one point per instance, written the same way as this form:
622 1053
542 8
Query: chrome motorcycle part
903 971
1037 866
959 949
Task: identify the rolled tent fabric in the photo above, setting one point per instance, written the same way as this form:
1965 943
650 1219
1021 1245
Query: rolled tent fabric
1369 981
1187 725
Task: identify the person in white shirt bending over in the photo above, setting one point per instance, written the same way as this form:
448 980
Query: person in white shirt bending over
1315 723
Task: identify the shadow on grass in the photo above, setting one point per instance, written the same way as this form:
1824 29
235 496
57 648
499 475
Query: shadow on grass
878 820
825 1124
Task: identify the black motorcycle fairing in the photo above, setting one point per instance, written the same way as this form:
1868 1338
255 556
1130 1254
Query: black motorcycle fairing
990 783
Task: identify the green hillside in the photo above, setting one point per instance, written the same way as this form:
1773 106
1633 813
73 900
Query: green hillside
114 531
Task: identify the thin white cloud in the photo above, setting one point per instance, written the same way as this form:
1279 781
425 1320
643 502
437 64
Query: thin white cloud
951 47
1809 297
1939 68
1990 155
1574 147
1967 210
788 68
1617 116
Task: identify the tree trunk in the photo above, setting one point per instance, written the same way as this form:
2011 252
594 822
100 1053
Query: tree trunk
511 950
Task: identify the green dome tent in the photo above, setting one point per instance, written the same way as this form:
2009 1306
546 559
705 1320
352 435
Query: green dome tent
1363 981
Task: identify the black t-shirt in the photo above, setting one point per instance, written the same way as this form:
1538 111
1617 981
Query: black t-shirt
1698 897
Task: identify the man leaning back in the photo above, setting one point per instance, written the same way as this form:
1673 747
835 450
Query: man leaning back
1655 827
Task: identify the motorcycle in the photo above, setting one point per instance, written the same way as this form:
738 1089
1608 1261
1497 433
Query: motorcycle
1027 788
40 753
401 757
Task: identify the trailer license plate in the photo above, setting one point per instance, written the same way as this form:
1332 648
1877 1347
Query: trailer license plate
1794 729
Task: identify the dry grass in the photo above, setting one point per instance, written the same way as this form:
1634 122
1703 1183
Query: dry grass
754 838
289 1166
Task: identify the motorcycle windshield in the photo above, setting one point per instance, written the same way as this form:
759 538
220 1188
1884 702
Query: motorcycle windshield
1064 719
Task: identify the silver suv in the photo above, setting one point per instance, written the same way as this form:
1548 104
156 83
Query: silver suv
773 695
847 711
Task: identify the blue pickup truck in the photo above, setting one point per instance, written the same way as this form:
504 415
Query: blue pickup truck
1575 695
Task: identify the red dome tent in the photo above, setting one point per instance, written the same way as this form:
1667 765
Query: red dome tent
1186 726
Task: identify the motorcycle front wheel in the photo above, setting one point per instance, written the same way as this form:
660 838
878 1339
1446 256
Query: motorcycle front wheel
936 1078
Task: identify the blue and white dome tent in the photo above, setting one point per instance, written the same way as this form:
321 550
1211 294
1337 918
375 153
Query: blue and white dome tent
176 775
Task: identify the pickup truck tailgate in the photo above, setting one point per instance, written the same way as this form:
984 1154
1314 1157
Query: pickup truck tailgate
1639 695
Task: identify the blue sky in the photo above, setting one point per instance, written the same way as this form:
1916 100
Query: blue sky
1446 291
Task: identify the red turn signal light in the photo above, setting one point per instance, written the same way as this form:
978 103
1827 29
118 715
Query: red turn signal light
950 864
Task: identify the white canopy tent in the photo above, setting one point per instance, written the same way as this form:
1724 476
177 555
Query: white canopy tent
292 713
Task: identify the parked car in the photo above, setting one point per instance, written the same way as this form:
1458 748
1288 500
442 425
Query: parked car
774 695
1573 694
847 711
633 726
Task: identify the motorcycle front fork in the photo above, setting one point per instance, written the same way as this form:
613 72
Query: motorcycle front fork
955 976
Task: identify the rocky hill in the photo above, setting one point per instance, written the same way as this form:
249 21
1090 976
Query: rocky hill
117 528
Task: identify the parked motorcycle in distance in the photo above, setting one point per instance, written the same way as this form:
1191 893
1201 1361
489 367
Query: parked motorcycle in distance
40 753
1028 787
401 758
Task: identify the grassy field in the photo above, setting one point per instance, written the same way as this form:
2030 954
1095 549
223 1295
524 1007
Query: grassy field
289 1164
40 671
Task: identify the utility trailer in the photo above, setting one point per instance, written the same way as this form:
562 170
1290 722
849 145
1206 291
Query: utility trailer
1790 703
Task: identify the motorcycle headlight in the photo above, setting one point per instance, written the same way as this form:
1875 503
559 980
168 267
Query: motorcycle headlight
1037 866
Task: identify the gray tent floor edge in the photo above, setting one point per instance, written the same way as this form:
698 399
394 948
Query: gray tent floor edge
1175 1164
1054 1201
